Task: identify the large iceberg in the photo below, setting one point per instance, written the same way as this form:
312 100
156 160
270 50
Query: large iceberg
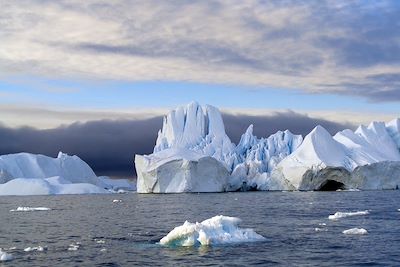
367 158
31 174
194 154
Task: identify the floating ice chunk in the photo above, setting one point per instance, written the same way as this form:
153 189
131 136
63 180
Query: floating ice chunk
30 209
4 256
117 200
322 224
100 241
216 230
355 231
339 215
38 248
74 246
103 250
317 229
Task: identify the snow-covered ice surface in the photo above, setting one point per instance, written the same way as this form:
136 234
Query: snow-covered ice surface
31 174
4 256
30 209
214 231
339 214
355 231
365 159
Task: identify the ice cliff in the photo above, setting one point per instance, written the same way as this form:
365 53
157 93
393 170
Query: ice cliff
31 174
194 154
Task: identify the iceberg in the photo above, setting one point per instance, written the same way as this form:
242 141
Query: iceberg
355 231
339 214
217 230
366 159
194 154
31 174
30 209
4 256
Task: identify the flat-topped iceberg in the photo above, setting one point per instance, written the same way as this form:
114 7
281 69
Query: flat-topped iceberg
31 174
217 230
194 154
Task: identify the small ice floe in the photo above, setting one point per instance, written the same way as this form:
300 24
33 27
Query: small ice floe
100 241
38 248
317 229
339 215
214 231
349 190
74 246
12 248
322 224
4 256
398 209
117 201
121 191
355 231
30 209
103 250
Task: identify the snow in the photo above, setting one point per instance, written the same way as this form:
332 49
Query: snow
4 256
214 231
31 174
355 231
339 215
30 209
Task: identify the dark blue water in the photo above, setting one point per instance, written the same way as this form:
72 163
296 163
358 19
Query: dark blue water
132 228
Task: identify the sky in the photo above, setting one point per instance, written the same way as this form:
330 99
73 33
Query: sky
94 78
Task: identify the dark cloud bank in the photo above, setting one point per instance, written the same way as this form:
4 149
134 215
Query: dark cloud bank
109 146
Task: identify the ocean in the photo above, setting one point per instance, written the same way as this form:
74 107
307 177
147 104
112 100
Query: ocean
94 230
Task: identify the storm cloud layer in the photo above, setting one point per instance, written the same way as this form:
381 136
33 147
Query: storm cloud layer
109 146
342 47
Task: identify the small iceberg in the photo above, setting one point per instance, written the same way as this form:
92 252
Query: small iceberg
214 231
38 248
355 231
4 256
30 209
74 246
339 215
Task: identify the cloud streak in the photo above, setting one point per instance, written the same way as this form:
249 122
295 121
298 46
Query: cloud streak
109 146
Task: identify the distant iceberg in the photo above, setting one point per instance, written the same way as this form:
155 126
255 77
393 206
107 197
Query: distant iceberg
194 154
31 174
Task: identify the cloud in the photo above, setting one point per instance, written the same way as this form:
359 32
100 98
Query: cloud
316 46
109 146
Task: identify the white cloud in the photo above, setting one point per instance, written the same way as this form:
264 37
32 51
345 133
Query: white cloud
315 46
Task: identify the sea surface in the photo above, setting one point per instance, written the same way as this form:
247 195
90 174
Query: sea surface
126 233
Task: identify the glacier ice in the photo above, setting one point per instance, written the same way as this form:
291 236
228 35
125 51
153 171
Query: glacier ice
194 154
193 148
217 230
32 174
339 214
30 209
4 256
355 231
